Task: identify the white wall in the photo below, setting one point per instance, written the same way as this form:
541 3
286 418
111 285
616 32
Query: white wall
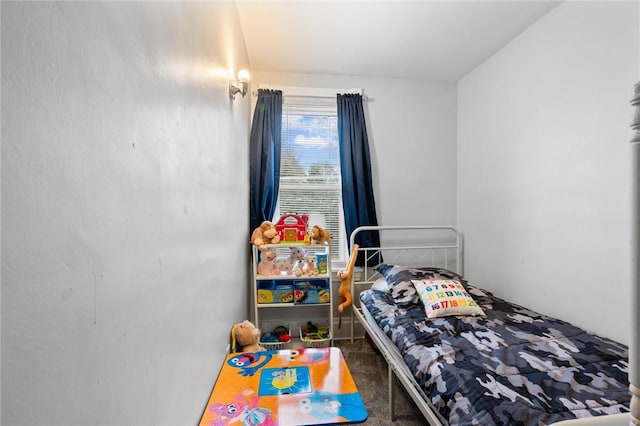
412 136
543 165
124 173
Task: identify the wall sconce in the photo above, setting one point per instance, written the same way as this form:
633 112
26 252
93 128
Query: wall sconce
242 86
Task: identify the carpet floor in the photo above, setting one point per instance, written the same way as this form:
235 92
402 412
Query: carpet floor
369 371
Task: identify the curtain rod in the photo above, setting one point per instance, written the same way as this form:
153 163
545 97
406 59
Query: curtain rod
364 97
310 92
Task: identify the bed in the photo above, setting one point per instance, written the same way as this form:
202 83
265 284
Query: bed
468 357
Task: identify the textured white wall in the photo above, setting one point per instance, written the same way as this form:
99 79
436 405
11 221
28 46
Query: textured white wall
124 173
543 165
412 136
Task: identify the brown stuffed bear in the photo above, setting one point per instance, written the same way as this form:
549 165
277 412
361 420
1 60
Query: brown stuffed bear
320 235
247 337
265 234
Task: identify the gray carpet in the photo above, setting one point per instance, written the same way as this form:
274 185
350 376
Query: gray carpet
369 371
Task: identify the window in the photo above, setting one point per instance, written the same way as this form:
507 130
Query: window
310 180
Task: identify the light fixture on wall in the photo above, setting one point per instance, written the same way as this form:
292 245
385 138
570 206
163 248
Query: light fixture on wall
241 86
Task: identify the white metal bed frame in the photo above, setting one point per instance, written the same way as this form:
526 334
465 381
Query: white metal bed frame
449 255
396 365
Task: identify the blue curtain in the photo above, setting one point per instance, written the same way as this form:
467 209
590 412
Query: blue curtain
357 188
264 157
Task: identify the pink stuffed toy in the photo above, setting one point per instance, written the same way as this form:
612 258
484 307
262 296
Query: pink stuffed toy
267 264
310 269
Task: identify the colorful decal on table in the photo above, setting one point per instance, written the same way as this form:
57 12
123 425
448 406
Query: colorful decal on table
312 356
284 381
324 405
249 363
243 409
309 386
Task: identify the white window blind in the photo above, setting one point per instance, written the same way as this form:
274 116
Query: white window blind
310 180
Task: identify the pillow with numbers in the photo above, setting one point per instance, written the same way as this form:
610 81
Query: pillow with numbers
399 280
443 298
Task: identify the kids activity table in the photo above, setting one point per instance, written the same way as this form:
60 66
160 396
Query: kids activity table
288 387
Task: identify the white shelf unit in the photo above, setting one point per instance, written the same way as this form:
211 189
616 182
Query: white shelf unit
291 300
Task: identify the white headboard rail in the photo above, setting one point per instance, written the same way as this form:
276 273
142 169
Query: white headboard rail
401 245
409 245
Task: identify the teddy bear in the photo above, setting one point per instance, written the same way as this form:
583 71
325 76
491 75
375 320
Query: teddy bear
267 264
247 336
320 235
265 234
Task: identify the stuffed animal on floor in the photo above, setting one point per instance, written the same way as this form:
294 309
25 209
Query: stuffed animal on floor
320 235
267 264
344 292
265 234
246 337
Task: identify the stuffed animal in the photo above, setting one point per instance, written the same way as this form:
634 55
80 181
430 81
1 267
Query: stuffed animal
283 265
320 235
298 269
265 234
310 269
267 264
247 337
344 292
296 258
296 254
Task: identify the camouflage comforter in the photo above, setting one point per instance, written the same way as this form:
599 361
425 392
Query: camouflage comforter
512 367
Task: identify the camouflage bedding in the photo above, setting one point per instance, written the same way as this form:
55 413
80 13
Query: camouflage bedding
510 367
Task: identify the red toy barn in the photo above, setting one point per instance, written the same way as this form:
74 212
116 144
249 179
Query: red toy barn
292 227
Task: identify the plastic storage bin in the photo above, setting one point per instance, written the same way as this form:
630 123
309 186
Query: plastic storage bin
272 336
315 334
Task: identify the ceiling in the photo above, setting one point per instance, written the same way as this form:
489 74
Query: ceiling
425 39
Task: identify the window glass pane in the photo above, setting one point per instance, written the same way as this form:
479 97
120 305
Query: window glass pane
310 170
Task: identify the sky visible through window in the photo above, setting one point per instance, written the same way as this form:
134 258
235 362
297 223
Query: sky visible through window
311 141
